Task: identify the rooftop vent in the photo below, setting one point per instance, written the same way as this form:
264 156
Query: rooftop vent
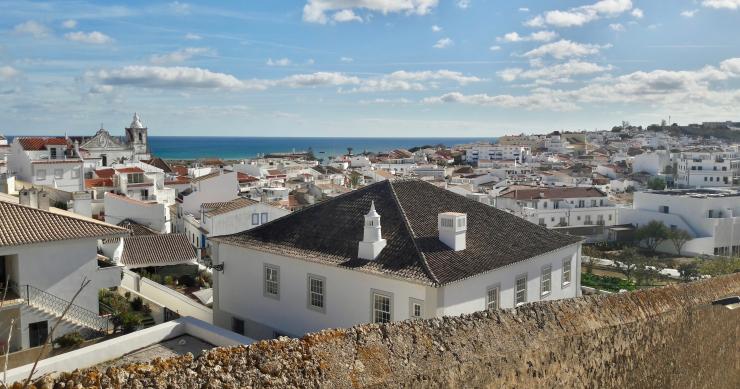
452 228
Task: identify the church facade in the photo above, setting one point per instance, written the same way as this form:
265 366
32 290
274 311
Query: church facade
109 149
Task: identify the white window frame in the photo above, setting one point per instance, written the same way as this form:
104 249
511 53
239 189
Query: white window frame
496 289
309 293
380 293
263 217
516 291
266 282
567 280
255 219
546 279
413 303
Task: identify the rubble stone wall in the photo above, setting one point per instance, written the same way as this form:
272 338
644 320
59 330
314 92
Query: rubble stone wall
659 338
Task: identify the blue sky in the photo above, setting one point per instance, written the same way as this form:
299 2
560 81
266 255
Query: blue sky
366 67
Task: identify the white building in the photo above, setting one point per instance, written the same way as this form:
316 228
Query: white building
108 149
496 152
46 255
705 169
51 162
559 206
354 259
151 214
653 162
710 216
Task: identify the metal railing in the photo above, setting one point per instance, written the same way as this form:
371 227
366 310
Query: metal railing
54 305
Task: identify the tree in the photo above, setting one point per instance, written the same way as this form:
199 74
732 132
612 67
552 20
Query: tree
656 183
679 238
629 261
688 271
652 234
719 266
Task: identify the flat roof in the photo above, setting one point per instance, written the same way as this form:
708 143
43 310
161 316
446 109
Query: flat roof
699 193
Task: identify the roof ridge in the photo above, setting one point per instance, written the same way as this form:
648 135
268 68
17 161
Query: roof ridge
65 213
410 230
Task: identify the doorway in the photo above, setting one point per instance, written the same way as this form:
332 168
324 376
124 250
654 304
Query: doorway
37 333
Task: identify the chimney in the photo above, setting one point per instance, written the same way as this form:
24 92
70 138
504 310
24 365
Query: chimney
42 200
27 197
372 241
452 228
82 203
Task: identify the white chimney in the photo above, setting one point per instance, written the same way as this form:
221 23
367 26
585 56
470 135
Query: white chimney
82 203
372 241
452 229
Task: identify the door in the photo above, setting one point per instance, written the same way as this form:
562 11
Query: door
37 333
3 273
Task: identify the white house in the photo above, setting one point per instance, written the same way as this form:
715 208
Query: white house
51 162
496 152
704 169
653 162
45 255
559 206
152 214
710 216
393 250
219 186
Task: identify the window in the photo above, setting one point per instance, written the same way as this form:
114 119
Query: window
382 305
492 297
58 173
41 174
520 290
546 281
272 281
263 218
237 325
316 292
255 219
416 310
53 153
664 209
542 221
136 178
566 271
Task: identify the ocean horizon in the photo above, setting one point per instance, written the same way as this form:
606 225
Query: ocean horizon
186 147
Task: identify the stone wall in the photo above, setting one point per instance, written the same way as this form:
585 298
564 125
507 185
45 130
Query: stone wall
659 338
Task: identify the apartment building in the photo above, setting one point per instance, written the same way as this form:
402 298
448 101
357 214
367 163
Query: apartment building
706 169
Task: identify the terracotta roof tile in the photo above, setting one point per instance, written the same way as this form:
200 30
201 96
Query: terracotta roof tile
232 205
98 183
40 143
157 250
105 173
21 225
130 170
552 193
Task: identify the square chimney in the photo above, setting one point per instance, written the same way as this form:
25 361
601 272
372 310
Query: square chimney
452 228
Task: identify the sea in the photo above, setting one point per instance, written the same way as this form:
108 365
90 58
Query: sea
174 147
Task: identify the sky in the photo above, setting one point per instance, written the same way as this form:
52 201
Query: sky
363 68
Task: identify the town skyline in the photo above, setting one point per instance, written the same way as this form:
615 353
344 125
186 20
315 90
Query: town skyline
325 68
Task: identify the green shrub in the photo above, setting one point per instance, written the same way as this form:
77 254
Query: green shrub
137 303
186 280
69 340
168 280
127 321
611 284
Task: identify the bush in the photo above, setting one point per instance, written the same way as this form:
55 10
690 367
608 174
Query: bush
156 278
169 280
145 309
127 321
137 303
186 280
612 284
69 340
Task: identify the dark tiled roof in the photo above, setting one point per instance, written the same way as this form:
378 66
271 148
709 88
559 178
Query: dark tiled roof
159 163
329 232
25 225
157 250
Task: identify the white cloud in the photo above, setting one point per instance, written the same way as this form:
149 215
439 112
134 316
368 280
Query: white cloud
564 49
100 89
677 91
722 4
539 36
346 15
436 28
193 37
315 11
463 4
8 72
689 13
523 9
179 8
33 28
443 43
637 13
94 37
579 16
310 61
317 79
69 24
494 48
617 26
558 72
170 78
346 59
386 101
179 56
278 62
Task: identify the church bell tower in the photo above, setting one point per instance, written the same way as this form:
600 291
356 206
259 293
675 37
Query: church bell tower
136 135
